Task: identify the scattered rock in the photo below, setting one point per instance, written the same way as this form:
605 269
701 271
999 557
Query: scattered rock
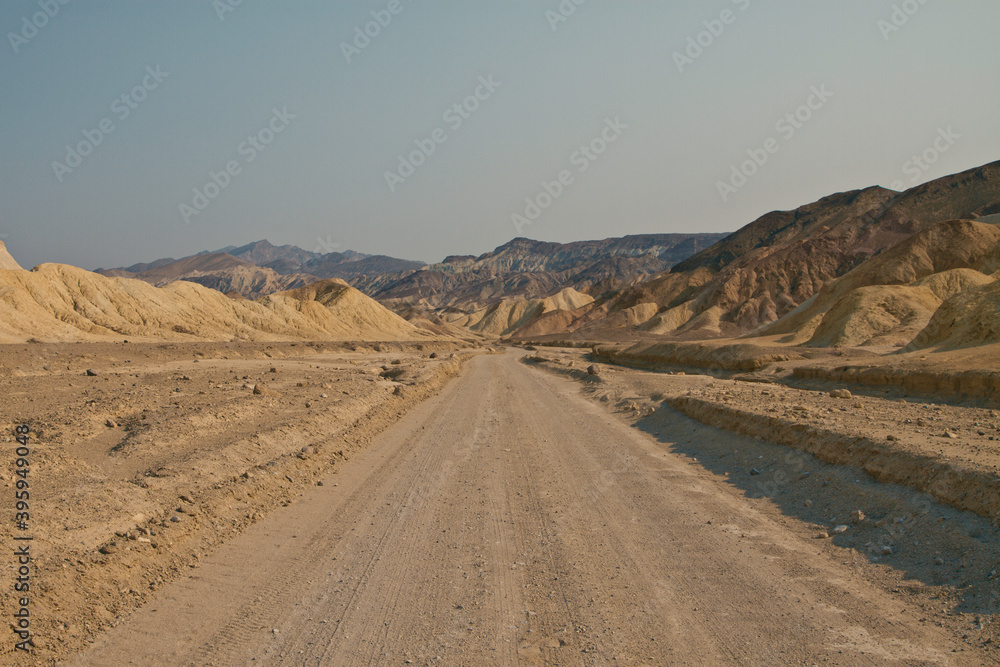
111 423
187 498
857 516
592 370
175 518
891 438
822 535
886 551
396 362
840 529
273 369
91 373
754 472
841 393
949 434
434 355
109 549
398 391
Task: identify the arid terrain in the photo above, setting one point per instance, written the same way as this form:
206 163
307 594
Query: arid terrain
512 520
145 457
775 447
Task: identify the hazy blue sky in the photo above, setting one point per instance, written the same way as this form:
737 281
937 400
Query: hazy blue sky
556 85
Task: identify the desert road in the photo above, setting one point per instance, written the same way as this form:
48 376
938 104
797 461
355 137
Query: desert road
510 521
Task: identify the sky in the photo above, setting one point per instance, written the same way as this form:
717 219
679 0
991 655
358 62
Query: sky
134 130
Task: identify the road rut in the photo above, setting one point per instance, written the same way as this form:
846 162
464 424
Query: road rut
510 521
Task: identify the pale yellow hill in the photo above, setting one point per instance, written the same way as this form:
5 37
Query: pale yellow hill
507 316
56 302
891 314
890 297
969 318
670 320
338 310
7 262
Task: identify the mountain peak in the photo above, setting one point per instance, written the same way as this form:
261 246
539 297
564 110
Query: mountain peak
7 262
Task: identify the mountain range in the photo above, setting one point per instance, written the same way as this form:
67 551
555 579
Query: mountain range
866 267
261 268
521 268
803 263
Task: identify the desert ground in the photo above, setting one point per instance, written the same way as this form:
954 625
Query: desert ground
373 505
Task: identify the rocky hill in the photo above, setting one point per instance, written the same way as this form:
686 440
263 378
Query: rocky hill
261 268
526 269
783 261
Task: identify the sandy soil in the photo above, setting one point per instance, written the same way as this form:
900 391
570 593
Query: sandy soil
512 520
164 451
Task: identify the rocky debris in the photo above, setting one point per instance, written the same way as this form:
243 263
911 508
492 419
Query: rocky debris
392 373
91 373
593 370
434 355
950 435
857 516
261 390
822 535
111 423
839 529
108 549
841 393
398 391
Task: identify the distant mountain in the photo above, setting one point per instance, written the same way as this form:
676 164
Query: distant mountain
526 269
261 268
784 262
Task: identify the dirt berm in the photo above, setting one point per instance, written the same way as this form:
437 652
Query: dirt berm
950 482
95 565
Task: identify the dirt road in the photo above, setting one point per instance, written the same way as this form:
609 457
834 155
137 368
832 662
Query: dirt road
509 521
